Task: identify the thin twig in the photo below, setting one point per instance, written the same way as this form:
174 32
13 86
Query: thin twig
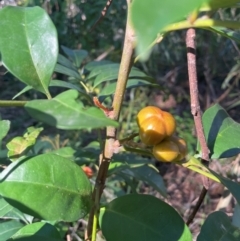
197 206
103 13
111 132
12 103
196 110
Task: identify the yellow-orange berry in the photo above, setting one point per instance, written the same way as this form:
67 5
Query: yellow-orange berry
155 125
152 131
182 146
166 151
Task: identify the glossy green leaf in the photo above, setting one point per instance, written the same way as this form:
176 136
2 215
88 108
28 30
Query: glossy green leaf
222 133
150 17
48 187
8 211
110 88
142 217
4 128
28 45
218 227
19 144
55 83
66 112
77 55
8 228
37 232
216 4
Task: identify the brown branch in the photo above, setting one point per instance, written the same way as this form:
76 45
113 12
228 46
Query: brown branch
103 13
111 132
196 110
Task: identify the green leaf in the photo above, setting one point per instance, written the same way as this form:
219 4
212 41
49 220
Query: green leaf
236 216
216 4
77 56
65 112
102 68
67 152
116 167
110 72
92 65
28 45
197 166
37 232
225 32
142 217
8 228
150 17
67 71
233 187
110 88
64 84
4 207
19 144
55 83
222 133
150 175
218 227
65 190
8 211
66 62
4 128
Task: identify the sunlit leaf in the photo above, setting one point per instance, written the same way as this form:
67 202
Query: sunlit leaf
222 133
225 32
216 4
8 211
8 228
150 17
66 112
48 187
37 232
4 128
28 45
19 144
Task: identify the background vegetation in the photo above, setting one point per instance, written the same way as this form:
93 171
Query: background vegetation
218 72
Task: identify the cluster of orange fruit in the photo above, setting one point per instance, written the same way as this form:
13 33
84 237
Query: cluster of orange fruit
157 128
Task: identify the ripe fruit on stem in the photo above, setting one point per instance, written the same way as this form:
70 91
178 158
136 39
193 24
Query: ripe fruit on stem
155 125
88 171
171 149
